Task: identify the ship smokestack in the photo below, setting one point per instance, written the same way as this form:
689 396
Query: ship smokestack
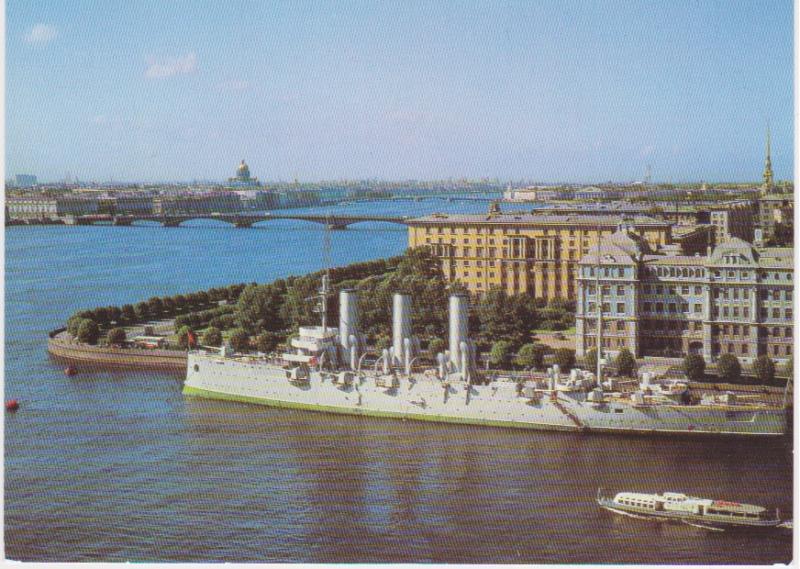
348 319
459 313
401 326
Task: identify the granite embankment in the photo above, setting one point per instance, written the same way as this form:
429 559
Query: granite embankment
61 345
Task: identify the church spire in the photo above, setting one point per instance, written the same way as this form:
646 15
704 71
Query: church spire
768 181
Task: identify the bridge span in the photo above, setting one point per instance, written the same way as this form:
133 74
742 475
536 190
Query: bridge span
241 220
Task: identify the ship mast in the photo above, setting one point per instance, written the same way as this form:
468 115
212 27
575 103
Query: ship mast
326 278
599 297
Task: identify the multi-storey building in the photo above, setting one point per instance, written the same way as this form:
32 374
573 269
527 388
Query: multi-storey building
737 300
735 219
521 253
216 202
43 207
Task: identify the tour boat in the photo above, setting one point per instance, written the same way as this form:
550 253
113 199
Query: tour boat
699 512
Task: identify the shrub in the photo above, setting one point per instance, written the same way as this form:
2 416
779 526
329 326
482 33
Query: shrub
694 366
116 336
212 337
240 340
267 342
626 363
527 356
565 358
500 354
729 369
764 370
88 331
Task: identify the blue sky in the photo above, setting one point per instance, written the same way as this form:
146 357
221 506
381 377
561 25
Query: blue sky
542 90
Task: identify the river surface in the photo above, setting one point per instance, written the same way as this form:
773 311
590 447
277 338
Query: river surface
121 466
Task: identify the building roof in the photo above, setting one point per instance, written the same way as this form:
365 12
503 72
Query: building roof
776 257
675 260
576 220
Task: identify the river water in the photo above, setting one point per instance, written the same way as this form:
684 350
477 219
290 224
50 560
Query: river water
121 466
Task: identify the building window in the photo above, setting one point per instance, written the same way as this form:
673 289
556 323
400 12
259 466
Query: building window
744 349
685 290
647 307
672 307
620 291
788 313
698 308
698 290
620 308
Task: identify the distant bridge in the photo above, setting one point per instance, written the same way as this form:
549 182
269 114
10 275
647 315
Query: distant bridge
242 220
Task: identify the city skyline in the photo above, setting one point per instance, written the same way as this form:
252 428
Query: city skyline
558 92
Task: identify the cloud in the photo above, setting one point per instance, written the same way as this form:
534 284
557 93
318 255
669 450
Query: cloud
41 34
233 85
171 66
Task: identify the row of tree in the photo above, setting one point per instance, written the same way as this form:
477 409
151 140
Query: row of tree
729 370
153 308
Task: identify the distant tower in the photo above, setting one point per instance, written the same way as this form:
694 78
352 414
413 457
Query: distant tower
768 181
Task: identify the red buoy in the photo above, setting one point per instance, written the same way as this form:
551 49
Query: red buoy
70 371
12 405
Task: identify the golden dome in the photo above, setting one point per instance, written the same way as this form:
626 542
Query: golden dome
243 171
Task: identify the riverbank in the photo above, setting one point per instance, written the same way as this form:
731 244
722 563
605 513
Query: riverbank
62 346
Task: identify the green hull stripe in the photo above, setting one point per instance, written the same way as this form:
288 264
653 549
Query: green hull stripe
189 390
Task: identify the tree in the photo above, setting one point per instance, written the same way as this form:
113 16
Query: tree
155 306
128 313
240 340
626 363
169 305
100 315
267 342
503 317
436 346
212 337
74 322
114 314
590 360
88 332
116 336
729 369
259 309
180 302
764 370
500 355
183 337
694 366
565 358
530 356
142 311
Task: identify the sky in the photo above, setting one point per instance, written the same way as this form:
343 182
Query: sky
549 91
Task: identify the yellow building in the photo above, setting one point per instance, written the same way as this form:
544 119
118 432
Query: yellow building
522 253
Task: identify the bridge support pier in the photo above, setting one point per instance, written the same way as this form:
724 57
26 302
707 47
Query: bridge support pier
171 223
122 221
243 224
337 226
